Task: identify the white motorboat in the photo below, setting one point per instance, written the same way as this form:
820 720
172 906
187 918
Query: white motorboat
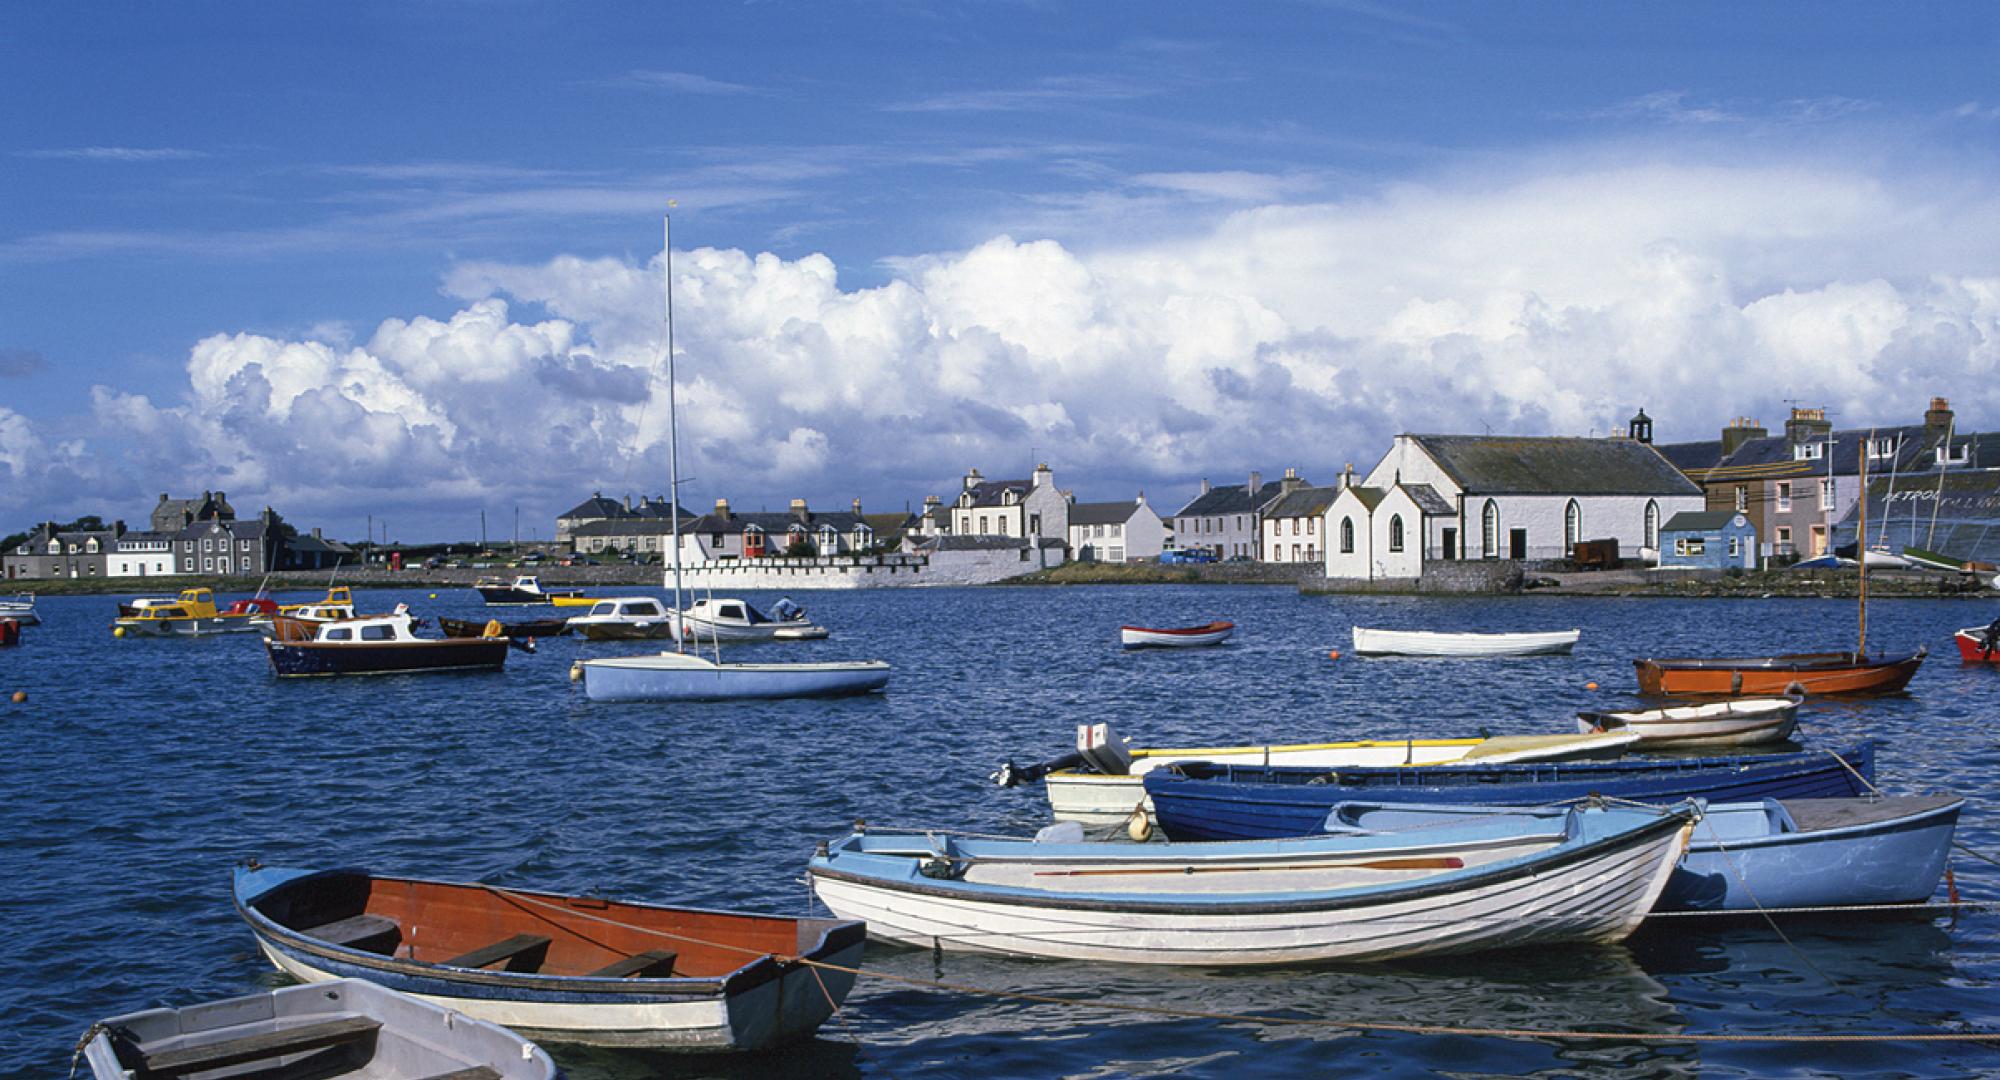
1103 782
20 608
1575 874
1736 722
624 618
1369 642
729 619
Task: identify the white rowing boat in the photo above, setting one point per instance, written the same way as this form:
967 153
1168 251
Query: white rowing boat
1186 637
1369 642
1736 722
1582 874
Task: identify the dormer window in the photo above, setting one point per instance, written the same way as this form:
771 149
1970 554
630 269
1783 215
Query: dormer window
55 547
1954 455
90 545
1881 448
1007 498
1811 451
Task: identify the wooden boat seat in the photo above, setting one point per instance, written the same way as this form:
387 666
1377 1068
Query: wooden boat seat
369 933
522 952
653 964
223 1053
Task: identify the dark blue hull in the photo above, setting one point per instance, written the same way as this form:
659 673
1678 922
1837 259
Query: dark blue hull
1204 801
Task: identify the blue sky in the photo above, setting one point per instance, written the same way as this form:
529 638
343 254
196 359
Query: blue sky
399 258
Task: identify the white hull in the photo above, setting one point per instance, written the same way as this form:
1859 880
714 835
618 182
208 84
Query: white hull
1746 722
779 1010
1369 642
1600 898
1136 638
1097 799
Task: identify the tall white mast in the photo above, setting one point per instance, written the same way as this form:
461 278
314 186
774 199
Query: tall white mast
673 431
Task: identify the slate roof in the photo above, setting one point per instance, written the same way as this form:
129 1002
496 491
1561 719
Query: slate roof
1232 499
842 521
1370 497
1103 513
635 526
597 506
1690 456
1773 455
948 542
1699 521
1554 465
1302 502
1429 500
889 526
991 492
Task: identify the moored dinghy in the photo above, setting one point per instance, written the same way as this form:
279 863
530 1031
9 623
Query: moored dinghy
1102 783
346 1029
676 676
1202 801
1736 722
1815 673
378 645
1590 875
1771 853
1187 637
565 968
20 607
1369 642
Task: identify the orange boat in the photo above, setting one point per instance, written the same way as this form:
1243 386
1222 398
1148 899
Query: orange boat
1815 673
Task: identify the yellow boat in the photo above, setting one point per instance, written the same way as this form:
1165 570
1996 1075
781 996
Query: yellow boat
574 601
194 613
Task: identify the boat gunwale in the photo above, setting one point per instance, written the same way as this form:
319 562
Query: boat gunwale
1919 817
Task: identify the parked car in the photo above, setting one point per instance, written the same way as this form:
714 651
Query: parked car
1187 555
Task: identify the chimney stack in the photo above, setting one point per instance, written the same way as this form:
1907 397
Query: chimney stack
1742 429
1204 485
799 508
1938 419
722 509
1043 475
857 508
1256 482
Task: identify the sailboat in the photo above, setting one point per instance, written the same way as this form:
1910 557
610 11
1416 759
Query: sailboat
681 675
1856 672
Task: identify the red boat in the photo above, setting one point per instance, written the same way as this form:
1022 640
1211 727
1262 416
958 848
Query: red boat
1142 637
1814 673
1979 644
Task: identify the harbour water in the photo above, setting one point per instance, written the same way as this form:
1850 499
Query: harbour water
139 771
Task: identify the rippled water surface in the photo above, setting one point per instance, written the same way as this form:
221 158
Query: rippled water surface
140 770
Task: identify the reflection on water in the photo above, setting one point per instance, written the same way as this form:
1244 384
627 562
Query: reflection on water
143 769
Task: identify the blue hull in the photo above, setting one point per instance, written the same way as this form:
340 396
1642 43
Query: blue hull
1895 858
617 680
1203 801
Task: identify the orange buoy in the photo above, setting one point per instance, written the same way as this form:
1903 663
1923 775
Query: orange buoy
1333 654
20 697
1590 686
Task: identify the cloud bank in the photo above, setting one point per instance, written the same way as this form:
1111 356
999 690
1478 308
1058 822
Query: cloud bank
1553 301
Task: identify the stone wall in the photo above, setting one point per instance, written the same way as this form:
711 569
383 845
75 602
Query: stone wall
1452 577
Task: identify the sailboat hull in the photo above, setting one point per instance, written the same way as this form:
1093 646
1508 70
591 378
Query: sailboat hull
682 677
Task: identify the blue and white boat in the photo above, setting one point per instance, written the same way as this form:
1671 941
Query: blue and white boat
577 969
1587 874
1772 853
680 676
684 676
1209 801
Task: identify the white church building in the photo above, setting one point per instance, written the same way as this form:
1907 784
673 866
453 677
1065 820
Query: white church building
1438 497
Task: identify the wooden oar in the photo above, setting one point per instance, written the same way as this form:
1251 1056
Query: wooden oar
1426 862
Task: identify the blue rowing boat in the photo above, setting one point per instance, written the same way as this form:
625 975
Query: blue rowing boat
1208 801
1768 854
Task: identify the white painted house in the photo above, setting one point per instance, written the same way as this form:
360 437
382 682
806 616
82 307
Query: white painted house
1294 526
1228 521
1435 497
1115 531
1017 508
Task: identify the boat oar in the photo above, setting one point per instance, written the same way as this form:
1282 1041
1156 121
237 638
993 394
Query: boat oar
1419 862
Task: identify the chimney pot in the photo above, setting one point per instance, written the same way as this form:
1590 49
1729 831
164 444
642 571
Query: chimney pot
857 508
